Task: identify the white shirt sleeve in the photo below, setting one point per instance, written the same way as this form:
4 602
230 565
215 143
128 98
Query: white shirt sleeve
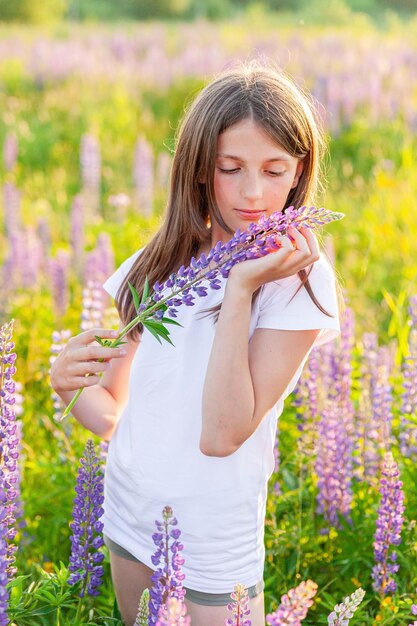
276 311
114 281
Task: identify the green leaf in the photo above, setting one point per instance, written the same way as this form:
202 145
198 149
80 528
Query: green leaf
151 330
145 293
134 295
158 331
158 325
168 320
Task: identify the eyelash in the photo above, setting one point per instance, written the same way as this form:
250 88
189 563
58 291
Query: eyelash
237 169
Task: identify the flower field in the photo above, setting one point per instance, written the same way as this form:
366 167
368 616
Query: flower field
87 124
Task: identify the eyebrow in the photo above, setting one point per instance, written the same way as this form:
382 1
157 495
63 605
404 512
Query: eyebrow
230 156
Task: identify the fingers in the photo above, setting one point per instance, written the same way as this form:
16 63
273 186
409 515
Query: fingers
306 243
85 347
83 360
88 336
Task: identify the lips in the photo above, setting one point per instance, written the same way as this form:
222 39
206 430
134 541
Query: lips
250 215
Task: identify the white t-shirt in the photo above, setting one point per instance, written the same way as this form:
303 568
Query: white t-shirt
154 457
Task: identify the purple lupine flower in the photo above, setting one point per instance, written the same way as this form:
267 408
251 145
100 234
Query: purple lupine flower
239 607
4 564
86 527
10 151
9 442
90 161
43 231
408 433
333 466
143 176
294 605
335 435
342 613
258 240
388 527
11 211
374 416
174 613
168 577
92 305
33 250
58 269
100 261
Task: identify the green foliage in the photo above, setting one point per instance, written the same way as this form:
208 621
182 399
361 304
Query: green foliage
33 12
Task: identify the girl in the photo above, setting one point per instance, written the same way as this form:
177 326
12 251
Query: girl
193 426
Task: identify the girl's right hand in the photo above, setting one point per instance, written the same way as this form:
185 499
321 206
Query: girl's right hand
80 357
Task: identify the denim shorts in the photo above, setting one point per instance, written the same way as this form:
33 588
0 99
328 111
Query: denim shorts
198 597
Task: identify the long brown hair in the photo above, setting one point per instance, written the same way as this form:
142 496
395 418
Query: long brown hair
250 91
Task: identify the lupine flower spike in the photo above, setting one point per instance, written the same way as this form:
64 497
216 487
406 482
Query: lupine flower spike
174 613
342 613
86 528
258 240
239 607
168 577
9 443
388 527
143 611
294 605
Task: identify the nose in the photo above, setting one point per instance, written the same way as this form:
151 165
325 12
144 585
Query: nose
252 187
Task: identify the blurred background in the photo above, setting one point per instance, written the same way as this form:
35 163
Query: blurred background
91 92
90 97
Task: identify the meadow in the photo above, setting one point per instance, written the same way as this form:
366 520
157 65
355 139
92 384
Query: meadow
87 127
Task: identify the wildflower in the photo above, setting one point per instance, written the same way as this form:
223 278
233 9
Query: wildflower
333 465
90 161
10 152
58 270
257 241
86 528
294 605
408 434
388 527
239 607
9 443
342 613
174 613
143 611
4 565
92 305
168 577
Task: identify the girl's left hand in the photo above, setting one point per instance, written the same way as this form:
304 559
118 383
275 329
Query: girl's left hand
286 261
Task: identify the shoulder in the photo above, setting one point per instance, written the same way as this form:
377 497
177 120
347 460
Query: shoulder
114 281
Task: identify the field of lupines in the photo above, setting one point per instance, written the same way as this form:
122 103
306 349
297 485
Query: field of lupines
87 125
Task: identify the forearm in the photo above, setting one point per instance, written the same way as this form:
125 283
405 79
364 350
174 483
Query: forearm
95 409
228 395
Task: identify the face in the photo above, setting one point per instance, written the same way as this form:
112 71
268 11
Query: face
253 176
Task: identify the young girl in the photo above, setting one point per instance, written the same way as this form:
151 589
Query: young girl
193 426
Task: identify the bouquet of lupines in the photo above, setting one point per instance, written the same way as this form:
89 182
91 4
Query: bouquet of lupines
258 240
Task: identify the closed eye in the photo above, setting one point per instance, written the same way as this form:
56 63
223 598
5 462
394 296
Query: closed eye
237 169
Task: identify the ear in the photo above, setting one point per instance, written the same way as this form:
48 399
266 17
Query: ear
202 180
299 169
